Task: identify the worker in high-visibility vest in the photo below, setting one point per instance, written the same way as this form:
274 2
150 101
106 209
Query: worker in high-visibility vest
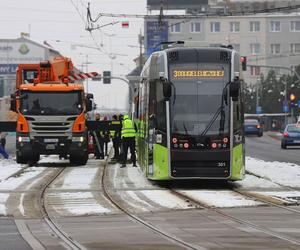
128 140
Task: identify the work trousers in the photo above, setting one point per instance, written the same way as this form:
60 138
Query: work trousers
128 142
99 153
116 145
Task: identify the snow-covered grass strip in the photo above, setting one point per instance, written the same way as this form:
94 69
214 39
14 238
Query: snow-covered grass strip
254 182
283 173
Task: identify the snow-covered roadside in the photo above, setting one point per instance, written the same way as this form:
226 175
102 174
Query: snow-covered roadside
282 173
8 167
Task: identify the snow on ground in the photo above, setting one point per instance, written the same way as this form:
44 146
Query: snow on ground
220 198
254 182
8 167
3 198
282 173
13 182
77 203
73 178
52 159
165 199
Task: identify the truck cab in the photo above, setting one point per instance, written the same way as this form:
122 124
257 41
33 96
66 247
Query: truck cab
51 113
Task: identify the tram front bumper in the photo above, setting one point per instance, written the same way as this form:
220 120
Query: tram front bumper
200 164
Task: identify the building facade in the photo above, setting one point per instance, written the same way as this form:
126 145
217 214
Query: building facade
12 53
266 40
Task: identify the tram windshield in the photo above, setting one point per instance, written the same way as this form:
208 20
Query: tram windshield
200 94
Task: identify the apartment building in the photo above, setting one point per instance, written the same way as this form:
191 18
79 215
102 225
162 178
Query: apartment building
266 39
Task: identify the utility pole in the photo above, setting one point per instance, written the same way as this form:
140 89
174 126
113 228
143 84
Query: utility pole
86 67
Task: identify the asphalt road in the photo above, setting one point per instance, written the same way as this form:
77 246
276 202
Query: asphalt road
268 148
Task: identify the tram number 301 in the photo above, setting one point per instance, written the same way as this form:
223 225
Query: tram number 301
221 164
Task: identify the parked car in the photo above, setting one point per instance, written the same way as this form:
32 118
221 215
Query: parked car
253 127
291 135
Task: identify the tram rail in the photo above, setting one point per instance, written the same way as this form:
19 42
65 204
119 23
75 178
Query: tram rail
141 221
241 221
67 241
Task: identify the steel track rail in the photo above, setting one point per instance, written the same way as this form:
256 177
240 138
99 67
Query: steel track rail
65 238
261 199
235 219
154 229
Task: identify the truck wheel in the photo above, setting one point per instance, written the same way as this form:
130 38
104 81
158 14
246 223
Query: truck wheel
78 161
73 160
34 159
21 159
83 160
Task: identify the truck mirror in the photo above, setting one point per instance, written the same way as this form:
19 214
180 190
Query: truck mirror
167 89
234 89
13 106
89 105
89 96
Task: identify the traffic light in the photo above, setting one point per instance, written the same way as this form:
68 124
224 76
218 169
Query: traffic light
292 97
243 60
106 77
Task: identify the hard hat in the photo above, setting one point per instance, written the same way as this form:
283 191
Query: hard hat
125 117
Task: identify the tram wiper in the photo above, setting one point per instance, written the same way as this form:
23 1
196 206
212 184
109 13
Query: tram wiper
220 110
185 129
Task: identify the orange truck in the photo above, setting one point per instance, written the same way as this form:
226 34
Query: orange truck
51 112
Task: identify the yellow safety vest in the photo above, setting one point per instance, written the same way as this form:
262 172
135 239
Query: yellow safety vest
128 129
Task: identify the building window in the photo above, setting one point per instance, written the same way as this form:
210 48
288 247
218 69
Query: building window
236 46
275 26
195 27
255 48
176 28
215 26
254 26
254 70
234 26
295 48
295 26
275 48
277 71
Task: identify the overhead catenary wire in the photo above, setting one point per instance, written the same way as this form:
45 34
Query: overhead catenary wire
229 13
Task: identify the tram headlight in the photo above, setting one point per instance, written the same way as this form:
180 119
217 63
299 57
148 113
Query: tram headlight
225 140
174 140
186 145
214 145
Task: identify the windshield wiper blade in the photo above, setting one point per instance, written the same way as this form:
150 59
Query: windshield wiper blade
185 129
204 132
219 111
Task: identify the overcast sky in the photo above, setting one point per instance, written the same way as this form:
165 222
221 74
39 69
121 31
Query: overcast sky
59 23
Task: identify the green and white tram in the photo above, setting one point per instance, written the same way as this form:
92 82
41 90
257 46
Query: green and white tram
189 113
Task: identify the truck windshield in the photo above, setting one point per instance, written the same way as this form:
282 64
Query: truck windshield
50 103
201 92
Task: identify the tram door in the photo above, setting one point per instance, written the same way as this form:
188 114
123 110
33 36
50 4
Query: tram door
151 126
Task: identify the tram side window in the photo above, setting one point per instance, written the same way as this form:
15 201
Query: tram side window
161 107
152 104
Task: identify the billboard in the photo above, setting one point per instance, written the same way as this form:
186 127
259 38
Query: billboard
14 52
175 4
156 33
